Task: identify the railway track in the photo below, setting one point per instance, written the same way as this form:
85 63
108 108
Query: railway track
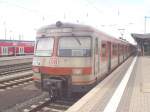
14 80
9 77
42 103
46 105
9 69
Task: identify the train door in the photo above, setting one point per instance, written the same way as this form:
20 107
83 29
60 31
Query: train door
109 56
21 50
96 57
4 51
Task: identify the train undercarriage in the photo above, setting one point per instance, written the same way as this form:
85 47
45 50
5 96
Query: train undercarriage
60 87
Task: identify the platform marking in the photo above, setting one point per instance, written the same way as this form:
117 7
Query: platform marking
115 99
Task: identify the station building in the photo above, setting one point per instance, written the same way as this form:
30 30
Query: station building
143 43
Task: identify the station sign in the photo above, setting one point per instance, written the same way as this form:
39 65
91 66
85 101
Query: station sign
58 30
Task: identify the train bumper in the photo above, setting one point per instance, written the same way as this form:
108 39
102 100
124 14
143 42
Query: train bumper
48 84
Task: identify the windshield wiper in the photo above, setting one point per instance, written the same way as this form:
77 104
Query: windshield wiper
77 39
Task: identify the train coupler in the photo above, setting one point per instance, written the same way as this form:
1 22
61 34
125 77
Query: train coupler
54 87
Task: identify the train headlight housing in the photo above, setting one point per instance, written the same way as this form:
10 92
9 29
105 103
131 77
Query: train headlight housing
77 71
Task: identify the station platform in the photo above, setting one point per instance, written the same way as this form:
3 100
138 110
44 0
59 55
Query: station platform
135 96
4 61
15 57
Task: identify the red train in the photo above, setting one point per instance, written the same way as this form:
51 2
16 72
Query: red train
72 58
16 47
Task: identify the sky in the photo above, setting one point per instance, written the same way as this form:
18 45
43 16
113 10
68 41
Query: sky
19 19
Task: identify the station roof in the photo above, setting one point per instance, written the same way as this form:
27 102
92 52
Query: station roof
138 37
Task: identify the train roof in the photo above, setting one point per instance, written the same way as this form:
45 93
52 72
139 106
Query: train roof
3 40
64 25
80 27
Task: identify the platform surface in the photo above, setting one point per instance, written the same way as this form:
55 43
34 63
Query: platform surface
12 60
136 96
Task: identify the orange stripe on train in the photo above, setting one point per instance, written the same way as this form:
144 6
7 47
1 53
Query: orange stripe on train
64 70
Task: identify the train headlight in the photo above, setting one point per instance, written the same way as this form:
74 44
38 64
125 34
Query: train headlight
36 69
77 71
36 62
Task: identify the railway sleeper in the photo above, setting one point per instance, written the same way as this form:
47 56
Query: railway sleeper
15 82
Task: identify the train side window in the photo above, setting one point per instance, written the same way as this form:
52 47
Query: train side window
103 50
96 46
114 50
120 49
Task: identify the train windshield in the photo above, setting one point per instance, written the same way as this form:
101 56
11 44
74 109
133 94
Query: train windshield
74 46
44 47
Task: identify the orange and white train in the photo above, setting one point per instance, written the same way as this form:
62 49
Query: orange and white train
72 58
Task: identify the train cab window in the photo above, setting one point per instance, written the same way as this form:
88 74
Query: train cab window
44 47
74 46
4 50
103 50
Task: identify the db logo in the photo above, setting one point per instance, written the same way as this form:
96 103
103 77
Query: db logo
54 61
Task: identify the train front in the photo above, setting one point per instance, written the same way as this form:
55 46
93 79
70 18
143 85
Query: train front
62 59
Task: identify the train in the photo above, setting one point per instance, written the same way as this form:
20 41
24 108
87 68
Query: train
72 58
16 47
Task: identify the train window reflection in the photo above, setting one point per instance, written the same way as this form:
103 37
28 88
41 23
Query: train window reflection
75 46
44 47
